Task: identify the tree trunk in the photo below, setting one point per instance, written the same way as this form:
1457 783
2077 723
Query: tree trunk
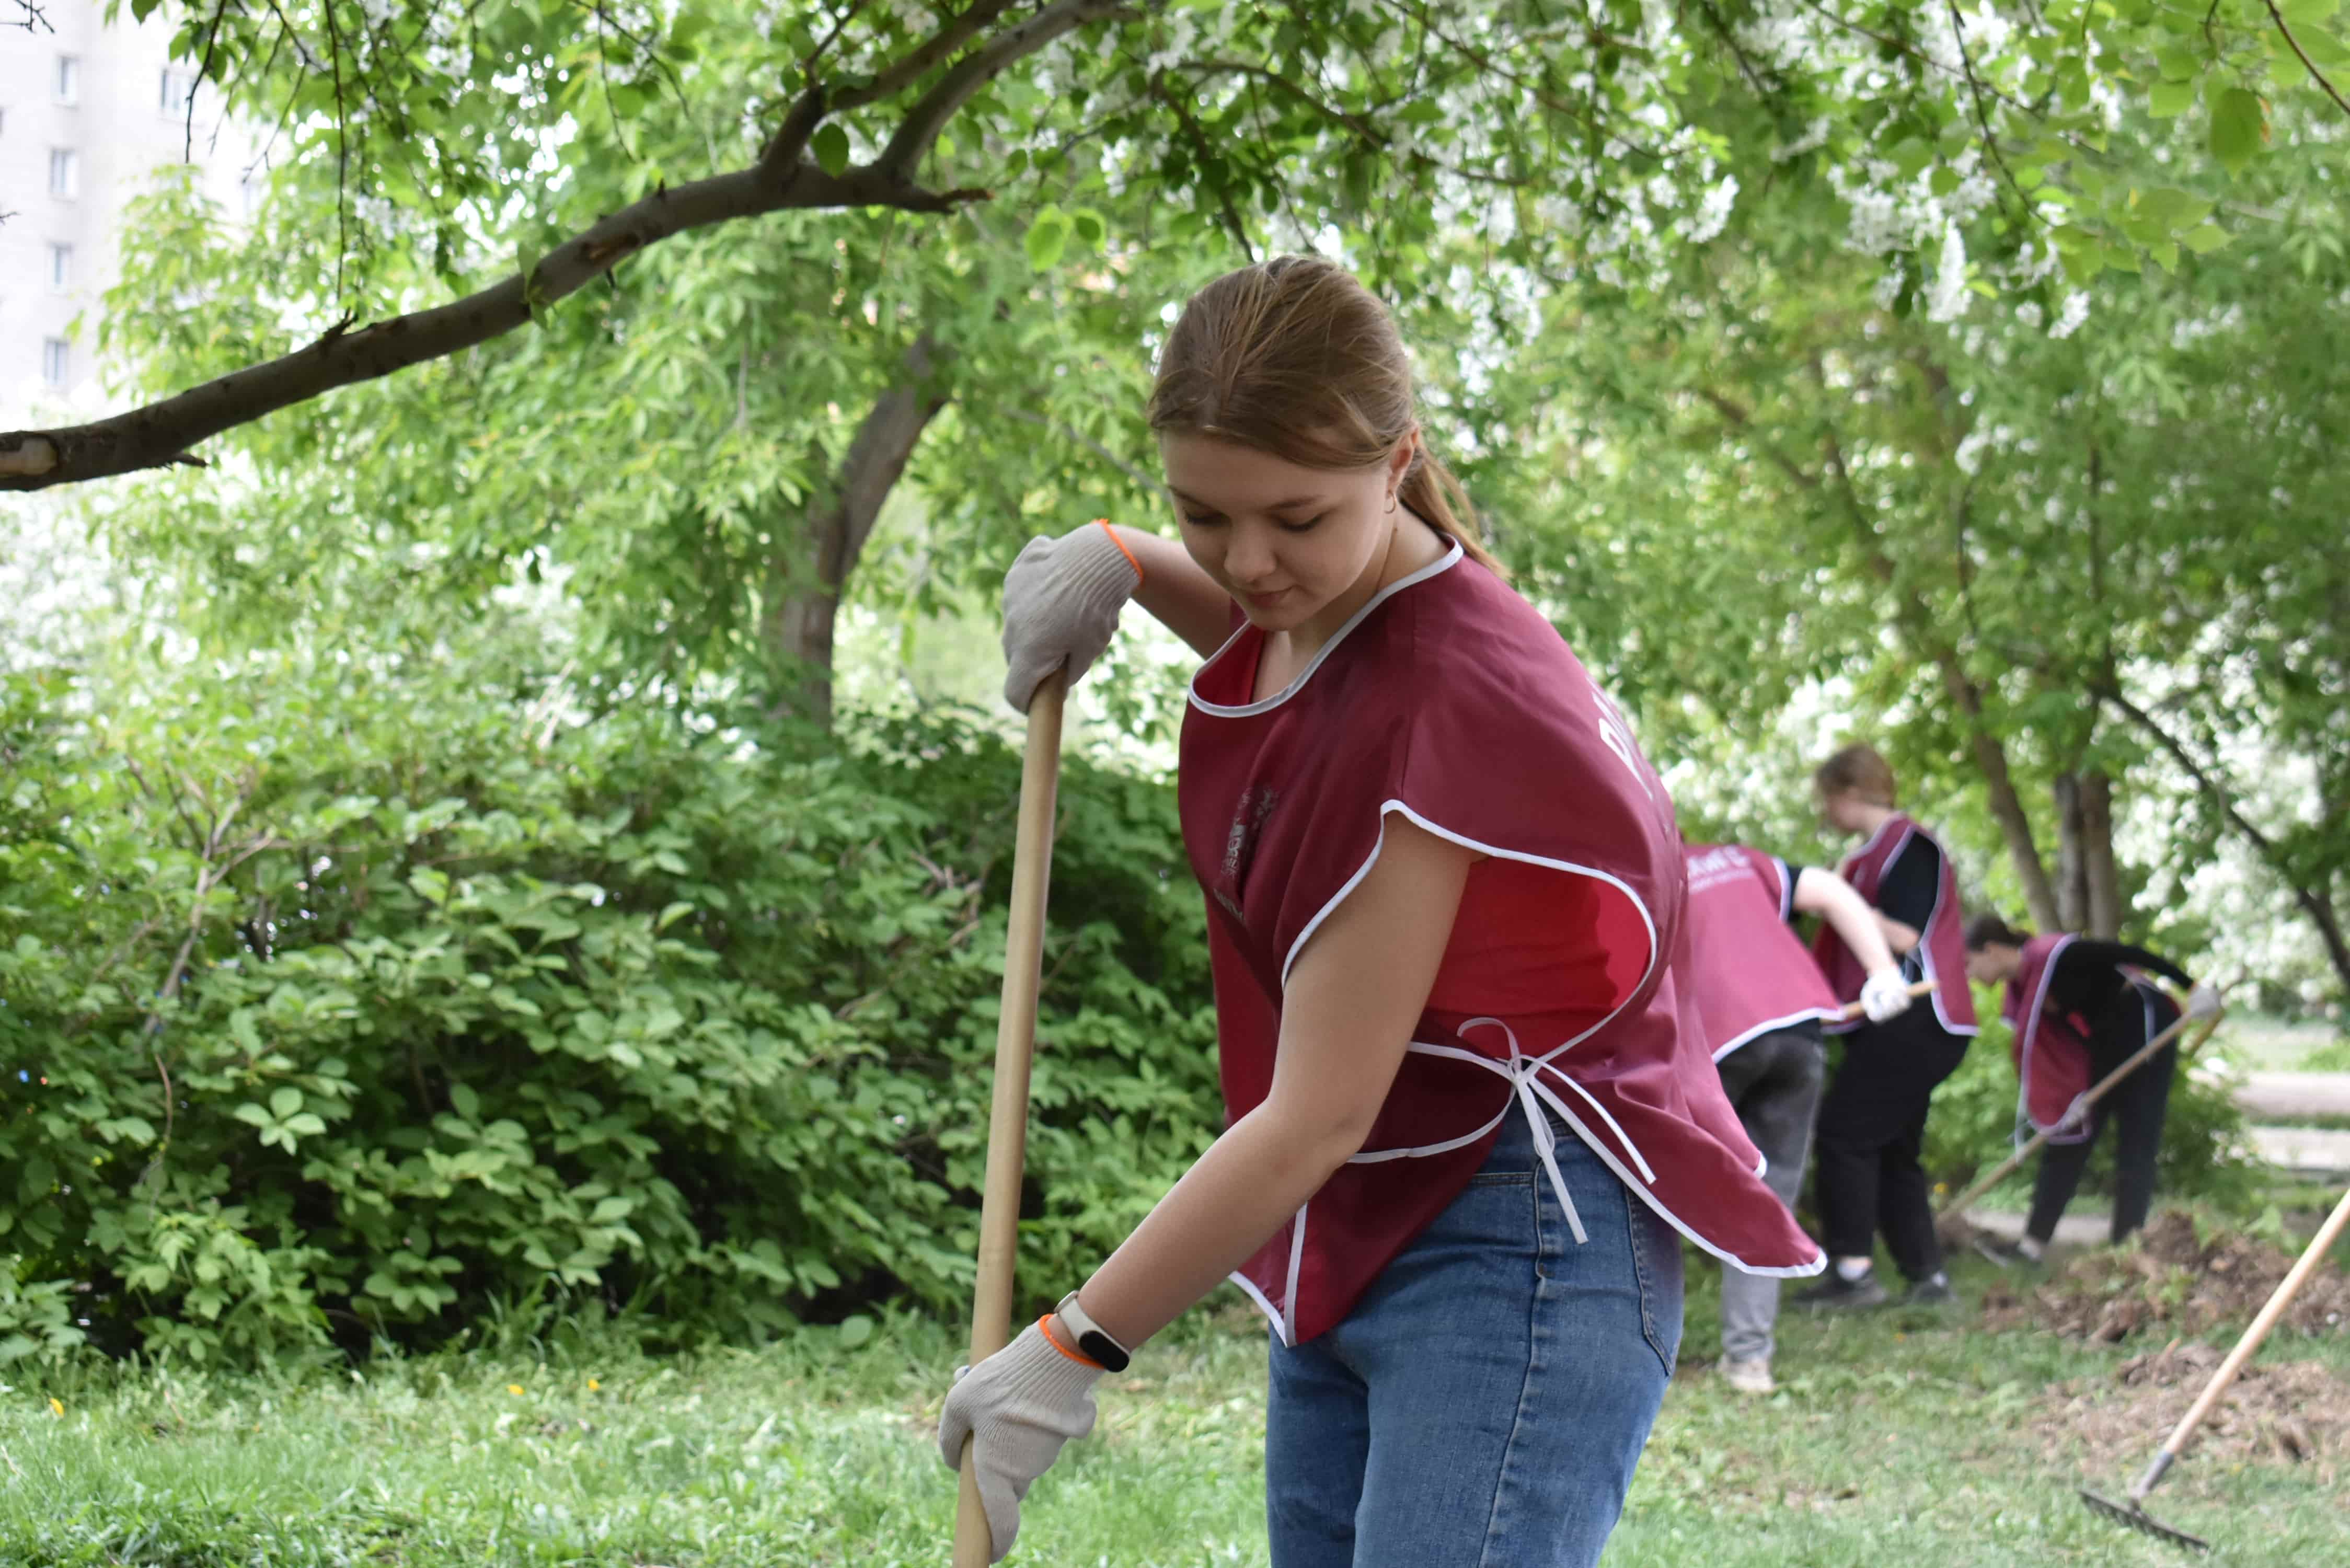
1913 615
2106 910
809 569
2014 823
2072 854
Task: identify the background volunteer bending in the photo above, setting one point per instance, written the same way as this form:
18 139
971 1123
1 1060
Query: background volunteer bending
2080 1008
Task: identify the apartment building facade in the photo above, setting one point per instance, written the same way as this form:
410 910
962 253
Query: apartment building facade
89 110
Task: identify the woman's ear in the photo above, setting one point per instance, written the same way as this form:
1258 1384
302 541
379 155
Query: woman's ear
1399 461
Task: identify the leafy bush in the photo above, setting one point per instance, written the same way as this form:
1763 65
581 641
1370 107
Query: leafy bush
347 999
1973 1122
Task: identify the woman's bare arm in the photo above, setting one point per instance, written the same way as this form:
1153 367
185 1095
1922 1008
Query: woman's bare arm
1183 599
1834 900
1351 1002
1900 938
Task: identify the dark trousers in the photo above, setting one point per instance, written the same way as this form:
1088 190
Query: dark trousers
2138 1102
1872 1133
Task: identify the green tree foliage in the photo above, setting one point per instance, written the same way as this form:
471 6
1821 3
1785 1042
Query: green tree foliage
2034 544
520 150
355 996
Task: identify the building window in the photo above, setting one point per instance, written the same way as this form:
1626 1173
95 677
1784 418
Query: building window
69 79
60 267
54 363
179 91
64 173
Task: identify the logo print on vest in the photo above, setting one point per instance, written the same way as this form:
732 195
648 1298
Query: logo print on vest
1256 804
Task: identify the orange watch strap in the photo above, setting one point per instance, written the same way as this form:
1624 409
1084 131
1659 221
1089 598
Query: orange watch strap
1044 1326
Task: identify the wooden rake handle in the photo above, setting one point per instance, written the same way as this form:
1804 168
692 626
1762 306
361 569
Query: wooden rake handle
1015 1042
2279 1300
1853 1010
1957 1207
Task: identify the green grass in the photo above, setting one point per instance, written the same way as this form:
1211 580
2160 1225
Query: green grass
1899 1439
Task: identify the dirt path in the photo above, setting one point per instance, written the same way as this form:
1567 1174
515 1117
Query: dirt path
2294 1097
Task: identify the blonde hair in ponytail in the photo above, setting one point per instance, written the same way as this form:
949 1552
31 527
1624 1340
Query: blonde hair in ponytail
1296 359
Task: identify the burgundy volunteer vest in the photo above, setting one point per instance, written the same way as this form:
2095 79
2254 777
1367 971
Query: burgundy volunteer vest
1449 700
2051 1048
1750 973
1942 952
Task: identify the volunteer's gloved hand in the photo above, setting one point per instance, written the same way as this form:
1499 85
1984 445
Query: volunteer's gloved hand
1061 600
2203 1001
1884 994
1019 1406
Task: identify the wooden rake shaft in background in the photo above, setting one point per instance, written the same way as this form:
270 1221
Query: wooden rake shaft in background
1956 1209
1015 1042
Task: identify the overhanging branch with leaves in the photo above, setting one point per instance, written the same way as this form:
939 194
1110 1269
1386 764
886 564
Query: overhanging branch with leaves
783 178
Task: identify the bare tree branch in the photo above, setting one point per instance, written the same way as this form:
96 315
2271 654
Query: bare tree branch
1739 418
932 111
162 433
2307 63
1362 128
903 72
1982 115
1235 225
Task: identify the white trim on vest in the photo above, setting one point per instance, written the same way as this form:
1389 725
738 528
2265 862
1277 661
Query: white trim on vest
1401 809
1271 1313
1846 1025
1247 709
1925 949
2030 1038
1296 1259
1285 1315
1524 1073
1786 888
1808 1015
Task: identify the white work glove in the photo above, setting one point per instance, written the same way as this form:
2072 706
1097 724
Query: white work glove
1061 600
2203 1001
1884 994
1019 1406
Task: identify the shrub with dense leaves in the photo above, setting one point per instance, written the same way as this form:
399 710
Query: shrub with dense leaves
343 999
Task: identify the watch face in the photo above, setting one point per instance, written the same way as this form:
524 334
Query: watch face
1102 1348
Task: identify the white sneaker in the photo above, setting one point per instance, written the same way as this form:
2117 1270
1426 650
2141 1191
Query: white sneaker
1749 1376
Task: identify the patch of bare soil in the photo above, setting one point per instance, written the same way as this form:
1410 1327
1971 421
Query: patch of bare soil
2291 1411
2166 1278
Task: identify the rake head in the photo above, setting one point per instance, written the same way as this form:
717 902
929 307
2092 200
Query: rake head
2134 1516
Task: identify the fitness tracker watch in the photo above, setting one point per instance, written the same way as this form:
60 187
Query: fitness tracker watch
1096 1344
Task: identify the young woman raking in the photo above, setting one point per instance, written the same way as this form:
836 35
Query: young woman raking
1467 1124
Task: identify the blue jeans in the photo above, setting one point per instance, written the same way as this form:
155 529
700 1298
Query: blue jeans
1484 1403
